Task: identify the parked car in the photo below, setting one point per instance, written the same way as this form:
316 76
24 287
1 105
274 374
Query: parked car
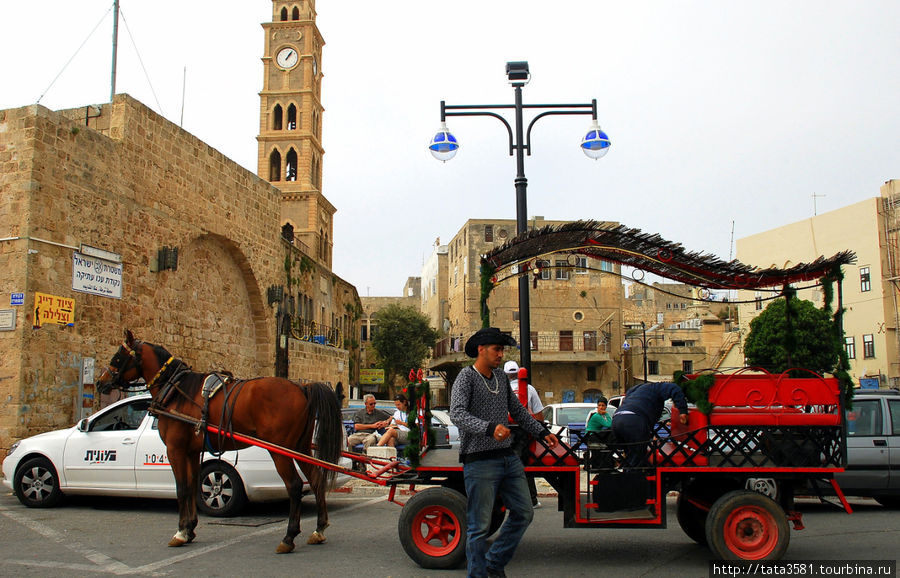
118 452
453 431
873 447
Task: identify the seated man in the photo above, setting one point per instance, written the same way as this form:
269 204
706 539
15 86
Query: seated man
367 422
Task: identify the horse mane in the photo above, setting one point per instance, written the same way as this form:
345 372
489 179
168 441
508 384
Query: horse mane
190 382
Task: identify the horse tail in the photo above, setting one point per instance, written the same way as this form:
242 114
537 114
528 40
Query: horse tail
325 415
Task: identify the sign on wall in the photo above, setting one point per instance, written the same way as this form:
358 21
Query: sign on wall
96 276
17 299
7 319
54 310
371 376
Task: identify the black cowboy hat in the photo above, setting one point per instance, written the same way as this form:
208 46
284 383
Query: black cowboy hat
487 336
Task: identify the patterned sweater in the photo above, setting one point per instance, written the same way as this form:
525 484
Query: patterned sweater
476 410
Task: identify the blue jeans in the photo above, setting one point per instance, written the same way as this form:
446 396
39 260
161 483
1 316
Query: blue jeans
485 480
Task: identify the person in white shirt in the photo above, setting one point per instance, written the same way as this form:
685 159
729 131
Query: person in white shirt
534 405
398 431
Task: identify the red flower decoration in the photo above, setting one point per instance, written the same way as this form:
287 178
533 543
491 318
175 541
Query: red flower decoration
412 374
420 375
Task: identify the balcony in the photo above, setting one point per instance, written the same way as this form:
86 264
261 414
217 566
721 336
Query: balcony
306 330
546 346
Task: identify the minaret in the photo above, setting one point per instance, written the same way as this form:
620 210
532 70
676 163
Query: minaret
290 124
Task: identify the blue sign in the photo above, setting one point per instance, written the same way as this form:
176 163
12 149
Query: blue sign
868 383
17 299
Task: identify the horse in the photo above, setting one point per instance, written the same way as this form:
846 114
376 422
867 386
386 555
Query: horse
272 409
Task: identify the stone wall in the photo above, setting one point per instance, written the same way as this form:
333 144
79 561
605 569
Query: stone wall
142 184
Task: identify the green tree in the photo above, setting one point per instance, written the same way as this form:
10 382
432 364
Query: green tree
806 339
403 340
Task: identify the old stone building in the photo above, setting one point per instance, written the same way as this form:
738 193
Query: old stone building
576 314
112 217
675 327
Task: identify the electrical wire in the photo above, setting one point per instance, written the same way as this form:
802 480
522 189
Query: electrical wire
66 65
141 60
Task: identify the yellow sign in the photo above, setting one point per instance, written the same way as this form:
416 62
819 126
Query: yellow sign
53 309
371 376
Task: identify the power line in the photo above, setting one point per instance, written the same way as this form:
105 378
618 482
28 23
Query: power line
66 65
141 60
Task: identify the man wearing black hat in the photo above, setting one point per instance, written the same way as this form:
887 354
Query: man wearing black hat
479 404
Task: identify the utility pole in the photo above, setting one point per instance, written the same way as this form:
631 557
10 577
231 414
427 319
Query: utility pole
115 50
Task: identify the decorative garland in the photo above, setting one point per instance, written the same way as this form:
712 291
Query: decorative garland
697 389
841 372
418 392
487 285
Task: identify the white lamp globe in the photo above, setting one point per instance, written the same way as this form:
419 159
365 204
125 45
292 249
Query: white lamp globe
443 145
595 143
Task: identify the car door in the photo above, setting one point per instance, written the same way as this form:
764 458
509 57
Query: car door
867 449
103 457
152 470
894 444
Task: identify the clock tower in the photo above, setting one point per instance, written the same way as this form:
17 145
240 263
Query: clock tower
290 124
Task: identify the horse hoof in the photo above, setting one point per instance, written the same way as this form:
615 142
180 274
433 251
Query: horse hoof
181 538
176 542
316 538
284 548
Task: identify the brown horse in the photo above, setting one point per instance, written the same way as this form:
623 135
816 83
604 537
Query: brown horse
276 410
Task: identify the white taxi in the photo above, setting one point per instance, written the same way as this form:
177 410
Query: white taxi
118 451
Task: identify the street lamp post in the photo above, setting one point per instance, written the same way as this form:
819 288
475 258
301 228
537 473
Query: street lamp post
444 147
644 344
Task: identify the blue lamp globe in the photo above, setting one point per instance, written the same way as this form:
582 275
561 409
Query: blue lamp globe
595 143
443 145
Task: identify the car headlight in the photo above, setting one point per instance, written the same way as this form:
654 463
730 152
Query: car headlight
12 449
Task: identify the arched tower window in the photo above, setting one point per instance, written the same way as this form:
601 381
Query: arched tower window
290 162
284 14
275 166
295 14
292 117
277 114
322 244
314 177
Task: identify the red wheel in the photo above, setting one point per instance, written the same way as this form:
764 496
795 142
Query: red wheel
744 525
432 528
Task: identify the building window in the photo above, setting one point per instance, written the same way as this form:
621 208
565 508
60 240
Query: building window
606 266
562 271
290 173
488 233
757 302
687 366
850 347
292 117
544 267
653 366
275 166
592 373
868 346
581 265
534 340
295 13
515 314
865 281
565 341
364 332
277 114
590 341
284 14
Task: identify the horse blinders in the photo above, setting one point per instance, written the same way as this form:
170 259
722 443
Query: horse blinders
124 360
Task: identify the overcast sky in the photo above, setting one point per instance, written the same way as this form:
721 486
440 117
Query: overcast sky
719 112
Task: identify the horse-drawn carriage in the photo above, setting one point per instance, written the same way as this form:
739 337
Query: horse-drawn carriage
737 464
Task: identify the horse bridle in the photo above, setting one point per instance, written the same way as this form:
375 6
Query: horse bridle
125 358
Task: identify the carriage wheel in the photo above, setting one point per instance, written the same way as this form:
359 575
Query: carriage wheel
432 528
37 485
745 525
691 518
221 492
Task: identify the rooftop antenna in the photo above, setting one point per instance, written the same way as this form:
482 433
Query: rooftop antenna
115 49
814 197
731 244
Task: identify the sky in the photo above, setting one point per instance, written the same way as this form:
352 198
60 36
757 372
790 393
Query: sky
726 118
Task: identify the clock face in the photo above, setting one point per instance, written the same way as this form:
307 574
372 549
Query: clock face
287 57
